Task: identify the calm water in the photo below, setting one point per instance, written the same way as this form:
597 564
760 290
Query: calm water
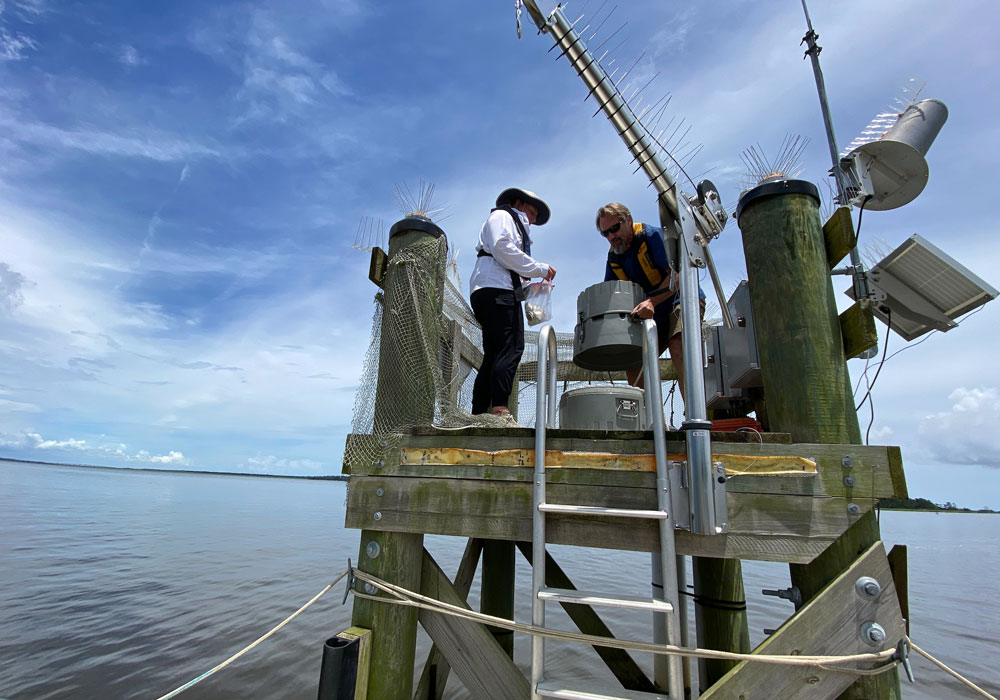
121 584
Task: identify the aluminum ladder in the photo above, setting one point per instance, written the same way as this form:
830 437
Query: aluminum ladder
545 417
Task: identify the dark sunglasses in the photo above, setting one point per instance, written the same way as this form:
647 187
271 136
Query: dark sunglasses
613 229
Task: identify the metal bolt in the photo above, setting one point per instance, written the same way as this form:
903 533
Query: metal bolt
379 491
848 481
370 589
854 509
372 549
378 515
722 479
868 587
847 462
873 633
379 464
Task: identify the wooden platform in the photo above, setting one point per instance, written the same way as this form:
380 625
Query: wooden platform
787 502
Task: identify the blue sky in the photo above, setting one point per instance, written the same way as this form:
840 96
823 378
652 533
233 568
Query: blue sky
181 184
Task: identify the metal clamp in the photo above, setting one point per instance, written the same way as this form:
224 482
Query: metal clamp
902 655
351 581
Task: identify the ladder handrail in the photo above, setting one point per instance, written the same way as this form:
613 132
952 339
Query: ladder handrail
545 398
668 551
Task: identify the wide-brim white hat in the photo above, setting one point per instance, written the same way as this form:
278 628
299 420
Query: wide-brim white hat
510 194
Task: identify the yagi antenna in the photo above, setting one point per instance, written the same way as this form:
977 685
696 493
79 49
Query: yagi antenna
662 160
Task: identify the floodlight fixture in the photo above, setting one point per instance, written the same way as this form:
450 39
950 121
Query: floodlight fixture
919 288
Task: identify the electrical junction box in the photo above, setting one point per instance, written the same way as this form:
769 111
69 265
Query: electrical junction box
739 344
719 390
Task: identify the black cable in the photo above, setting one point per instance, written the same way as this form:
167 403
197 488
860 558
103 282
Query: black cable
881 364
861 212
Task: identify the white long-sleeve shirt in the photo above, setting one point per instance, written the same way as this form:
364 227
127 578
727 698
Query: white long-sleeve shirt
501 239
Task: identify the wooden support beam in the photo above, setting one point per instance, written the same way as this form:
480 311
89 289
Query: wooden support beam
901 579
857 328
830 624
435 674
377 267
770 527
485 669
839 236
364 637
774 468
626 670
497 592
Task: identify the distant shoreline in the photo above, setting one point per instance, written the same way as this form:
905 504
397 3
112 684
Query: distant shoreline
330 477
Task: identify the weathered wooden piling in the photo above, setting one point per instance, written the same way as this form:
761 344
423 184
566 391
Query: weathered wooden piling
803 364
404 396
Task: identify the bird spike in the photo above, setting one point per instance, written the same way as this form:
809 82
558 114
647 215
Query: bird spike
419 204
786 164
371 233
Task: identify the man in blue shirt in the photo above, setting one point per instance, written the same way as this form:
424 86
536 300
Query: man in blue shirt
637 255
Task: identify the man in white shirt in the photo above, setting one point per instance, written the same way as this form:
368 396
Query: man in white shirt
504 258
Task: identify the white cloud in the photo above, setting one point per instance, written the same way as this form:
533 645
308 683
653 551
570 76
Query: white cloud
965 434
11 285
8 405
270 464
148 143
14 45
129 56
89 450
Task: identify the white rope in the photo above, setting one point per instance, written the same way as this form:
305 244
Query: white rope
246 649
409 598
949 671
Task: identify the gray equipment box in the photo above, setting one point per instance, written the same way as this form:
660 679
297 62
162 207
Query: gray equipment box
605 337
739 344
603 408
719 391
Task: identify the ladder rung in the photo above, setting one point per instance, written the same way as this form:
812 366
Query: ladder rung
554 689
600 510
632 602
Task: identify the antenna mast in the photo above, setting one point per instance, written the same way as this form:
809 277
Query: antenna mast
858 274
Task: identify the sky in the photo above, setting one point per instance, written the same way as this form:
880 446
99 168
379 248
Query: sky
181 185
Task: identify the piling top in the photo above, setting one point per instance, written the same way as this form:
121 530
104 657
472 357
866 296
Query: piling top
769 189
416 222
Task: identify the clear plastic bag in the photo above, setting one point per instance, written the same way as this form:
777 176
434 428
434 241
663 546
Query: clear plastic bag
538 302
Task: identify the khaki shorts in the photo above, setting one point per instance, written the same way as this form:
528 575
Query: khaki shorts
675 325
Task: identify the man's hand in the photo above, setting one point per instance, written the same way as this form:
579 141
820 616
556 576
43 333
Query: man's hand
644 309
552 273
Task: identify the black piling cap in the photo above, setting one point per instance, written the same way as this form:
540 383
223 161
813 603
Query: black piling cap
776 187
415 222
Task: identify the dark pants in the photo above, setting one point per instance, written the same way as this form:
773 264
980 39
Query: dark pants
500 317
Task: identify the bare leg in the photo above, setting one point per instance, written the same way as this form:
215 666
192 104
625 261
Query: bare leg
676 349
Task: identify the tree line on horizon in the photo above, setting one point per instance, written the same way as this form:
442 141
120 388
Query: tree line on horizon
925 504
